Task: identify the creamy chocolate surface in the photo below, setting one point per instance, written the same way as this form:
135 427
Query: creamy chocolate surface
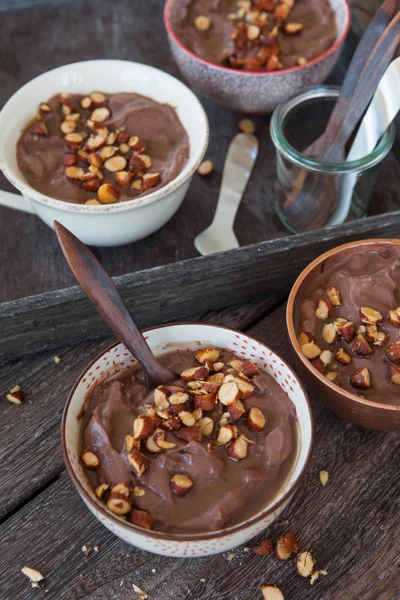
367 277
224 491
217 46
41 156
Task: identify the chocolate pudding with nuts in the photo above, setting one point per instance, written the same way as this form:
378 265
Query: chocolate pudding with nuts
204 452
102 149
349 322
255 35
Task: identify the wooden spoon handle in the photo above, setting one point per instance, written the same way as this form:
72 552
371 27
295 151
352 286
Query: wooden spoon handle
375 67
102 292
375 29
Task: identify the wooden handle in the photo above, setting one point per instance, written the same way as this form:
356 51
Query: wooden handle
102 292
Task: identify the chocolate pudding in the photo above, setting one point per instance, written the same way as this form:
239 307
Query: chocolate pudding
101 149
205 452
349 319
257 35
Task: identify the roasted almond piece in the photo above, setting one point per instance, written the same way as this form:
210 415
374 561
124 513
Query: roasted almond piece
70 160
360 346
311 350
305 563
301 61
246 389
394 374
253 32
138 461
326 357
94 142
334 296
246 126
178 398
171 424
205 168
34 576
293 28
175 409
189 434
263 548
123 178
76 173
197 413
138 491
165 445
249 368
305 338
394 317
273 64
393 352
211 354
195 373
106 152
137 185
44 107
205 401
345 329
118 504
237 449
98 97
143 426
331 376
316 574
92 185
150 180
90 459
228 393
136 144
181 484
342 357
68 126
213 383
124 148
187 418
16 395
323 477
138 162
255 420
281 13
330 334
286 545
376 337
39 128
202 23
108 193
236 411
236 364
99 115
225 434
370 315
86 103
324 309
361 379
142 518
206 425
318 364
131 443
101 490
161 397
271 592
115 163
111 138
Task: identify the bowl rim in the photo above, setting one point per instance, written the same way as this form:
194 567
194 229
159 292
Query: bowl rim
292 332
183 176
190 537
322 56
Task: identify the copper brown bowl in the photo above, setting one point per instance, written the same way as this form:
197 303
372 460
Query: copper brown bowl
361 411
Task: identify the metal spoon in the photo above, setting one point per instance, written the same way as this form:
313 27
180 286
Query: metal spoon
240 159
102 292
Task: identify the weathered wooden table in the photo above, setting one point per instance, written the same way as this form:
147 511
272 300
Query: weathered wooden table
351 525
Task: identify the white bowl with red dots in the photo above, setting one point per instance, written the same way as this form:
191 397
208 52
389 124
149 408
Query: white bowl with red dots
168 338
106 224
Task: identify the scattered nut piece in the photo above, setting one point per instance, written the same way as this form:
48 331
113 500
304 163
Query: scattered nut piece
98 97
316 574
394 374
225 434
331 376
253 32
330 333
345 329
305 338
263 548
370 315
101 489
204 401
181 484
33 575
187 418
361 379
202 23
68 126
76 173
138 491
305 563
393 352
249 368
143 426
334 296
138 461
206 425
376 337
44 107
195 373
311 350
246 126
326 357
39 128
286 545
342 357
237 449
394 317
255 419
107 193
100 114
228 393
323 477
150 180
271 592
206 167
115 163
143 595
16 395
142 518
360 346
301 61
324 309
236 410
293 28
118 505
86 103
90 459
211 354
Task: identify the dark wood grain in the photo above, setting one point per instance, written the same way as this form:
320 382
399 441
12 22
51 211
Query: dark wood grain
351 526
176 291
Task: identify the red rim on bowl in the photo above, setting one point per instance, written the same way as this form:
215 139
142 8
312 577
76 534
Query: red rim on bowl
292 331
330 50
190 536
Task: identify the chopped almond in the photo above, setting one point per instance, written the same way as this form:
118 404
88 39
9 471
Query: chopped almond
324 309
305 563
90 459
271 592
286 545
323 477
255 419
311 350
211 354
228 393
181 484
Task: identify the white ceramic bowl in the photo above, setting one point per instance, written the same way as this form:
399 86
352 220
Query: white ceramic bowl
256 92
192 336
112 224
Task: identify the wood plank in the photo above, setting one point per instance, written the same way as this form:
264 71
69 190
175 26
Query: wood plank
164 294
351 525
30 455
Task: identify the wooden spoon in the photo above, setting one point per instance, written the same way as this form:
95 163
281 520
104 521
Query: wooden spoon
102 292
311 201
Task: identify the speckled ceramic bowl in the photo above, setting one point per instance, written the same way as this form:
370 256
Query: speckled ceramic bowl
181 336
361 411
257 92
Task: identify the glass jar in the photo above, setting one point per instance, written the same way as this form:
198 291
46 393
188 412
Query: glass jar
312 193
